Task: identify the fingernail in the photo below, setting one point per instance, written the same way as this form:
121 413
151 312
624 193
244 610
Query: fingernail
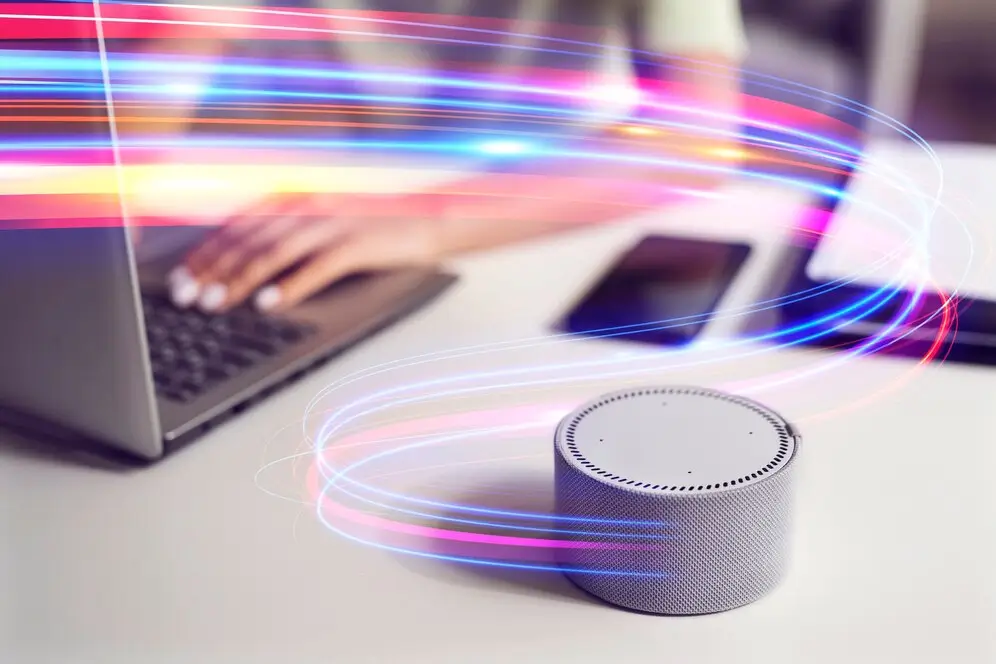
268 298
179 275
213 297
184 293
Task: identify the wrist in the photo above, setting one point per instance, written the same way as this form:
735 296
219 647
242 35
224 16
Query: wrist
430 215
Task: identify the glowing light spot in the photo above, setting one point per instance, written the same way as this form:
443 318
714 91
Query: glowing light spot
17 171
830 192
504 147
182 89
699 193
733 154
181 184
617 95
637 130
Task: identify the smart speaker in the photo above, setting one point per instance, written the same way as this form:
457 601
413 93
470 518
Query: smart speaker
674 500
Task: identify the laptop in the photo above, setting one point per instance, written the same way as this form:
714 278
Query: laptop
92 351
880 254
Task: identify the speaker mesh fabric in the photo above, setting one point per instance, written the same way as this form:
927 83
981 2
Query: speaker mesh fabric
694 552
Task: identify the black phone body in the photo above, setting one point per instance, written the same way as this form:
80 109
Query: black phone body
662 291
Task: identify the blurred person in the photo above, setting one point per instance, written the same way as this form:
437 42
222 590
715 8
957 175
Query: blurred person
291 247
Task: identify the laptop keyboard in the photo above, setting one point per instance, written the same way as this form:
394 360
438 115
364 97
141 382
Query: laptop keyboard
192 351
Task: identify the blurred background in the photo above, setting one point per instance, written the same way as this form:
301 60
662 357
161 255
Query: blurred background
955 90
930 64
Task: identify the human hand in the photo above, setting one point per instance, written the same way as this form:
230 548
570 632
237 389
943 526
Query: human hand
292 247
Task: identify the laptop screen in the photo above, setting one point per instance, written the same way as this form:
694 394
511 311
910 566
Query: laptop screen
168 115
910 218
216 106
886 230
57 163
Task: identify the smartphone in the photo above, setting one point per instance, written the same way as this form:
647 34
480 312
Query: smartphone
662 291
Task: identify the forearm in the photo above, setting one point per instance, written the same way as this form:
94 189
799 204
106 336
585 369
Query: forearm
499 209
658 162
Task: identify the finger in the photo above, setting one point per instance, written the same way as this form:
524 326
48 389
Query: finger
186 281
267 264
315 275
231 259
233 230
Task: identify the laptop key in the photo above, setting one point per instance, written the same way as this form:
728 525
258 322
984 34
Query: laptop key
239 360
184 339
208 348
192 360
220 326
178 394
166 355
157 333
194 321
193 351
194 384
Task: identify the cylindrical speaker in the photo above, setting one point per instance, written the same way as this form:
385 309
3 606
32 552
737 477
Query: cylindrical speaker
675 500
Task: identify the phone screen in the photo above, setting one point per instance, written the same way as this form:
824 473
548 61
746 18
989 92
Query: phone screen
662 291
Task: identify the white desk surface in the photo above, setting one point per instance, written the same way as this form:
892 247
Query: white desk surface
190 561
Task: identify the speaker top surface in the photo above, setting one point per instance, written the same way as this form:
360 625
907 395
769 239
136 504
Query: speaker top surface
676 440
